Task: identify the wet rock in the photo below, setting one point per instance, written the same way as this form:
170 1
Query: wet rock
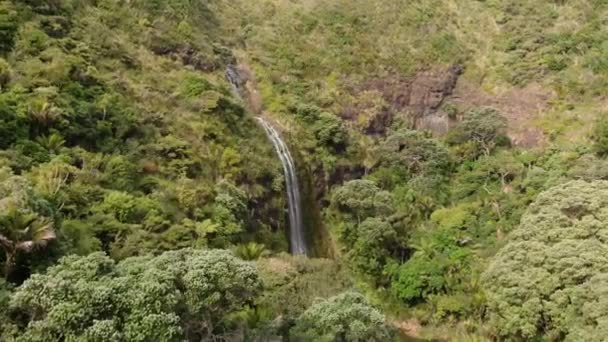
324 179
190 56
187 55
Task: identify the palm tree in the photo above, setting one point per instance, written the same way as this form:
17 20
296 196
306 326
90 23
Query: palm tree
250 251
22 232
53 143
44 113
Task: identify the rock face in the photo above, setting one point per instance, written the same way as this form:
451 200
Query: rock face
521 106
241 77
190 55
416 100
430 88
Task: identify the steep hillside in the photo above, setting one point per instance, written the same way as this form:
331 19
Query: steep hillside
451 157
119 119
348 79
325 52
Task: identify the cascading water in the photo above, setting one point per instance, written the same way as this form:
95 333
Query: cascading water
232 75
294 203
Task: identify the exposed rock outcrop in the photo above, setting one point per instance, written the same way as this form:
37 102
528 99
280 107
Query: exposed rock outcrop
430 88
521 106
190 55
416 99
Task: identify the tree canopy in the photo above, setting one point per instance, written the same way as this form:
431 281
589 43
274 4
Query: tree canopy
176 295
421 132
550 277
345 317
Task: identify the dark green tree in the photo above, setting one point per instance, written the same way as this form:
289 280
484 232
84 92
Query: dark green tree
368 227
415 152
485 127
600 135
360 199
8 27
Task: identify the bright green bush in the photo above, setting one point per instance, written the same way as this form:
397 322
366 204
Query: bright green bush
78 237
120 174
438 266
250 251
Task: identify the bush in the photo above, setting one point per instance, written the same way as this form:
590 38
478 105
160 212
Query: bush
292 283
120 174
5 73
346 317
439 266
14 124
8 27
600 136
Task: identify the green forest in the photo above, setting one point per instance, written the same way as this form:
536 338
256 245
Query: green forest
451 160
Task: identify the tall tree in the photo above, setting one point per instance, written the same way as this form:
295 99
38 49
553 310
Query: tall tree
483 126
539 283
22 233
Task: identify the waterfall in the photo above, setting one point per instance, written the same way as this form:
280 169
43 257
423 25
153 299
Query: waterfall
233 77
294 203
298 245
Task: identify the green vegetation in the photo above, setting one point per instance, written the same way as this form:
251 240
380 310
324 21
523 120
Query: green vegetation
452 155
550 274
175 295
346 317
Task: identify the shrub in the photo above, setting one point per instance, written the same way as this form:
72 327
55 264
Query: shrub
438 266
346 317
8 27
600 136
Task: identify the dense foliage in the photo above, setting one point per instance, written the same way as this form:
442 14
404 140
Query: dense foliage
346 317
122 136
175 295
451 158
550 277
